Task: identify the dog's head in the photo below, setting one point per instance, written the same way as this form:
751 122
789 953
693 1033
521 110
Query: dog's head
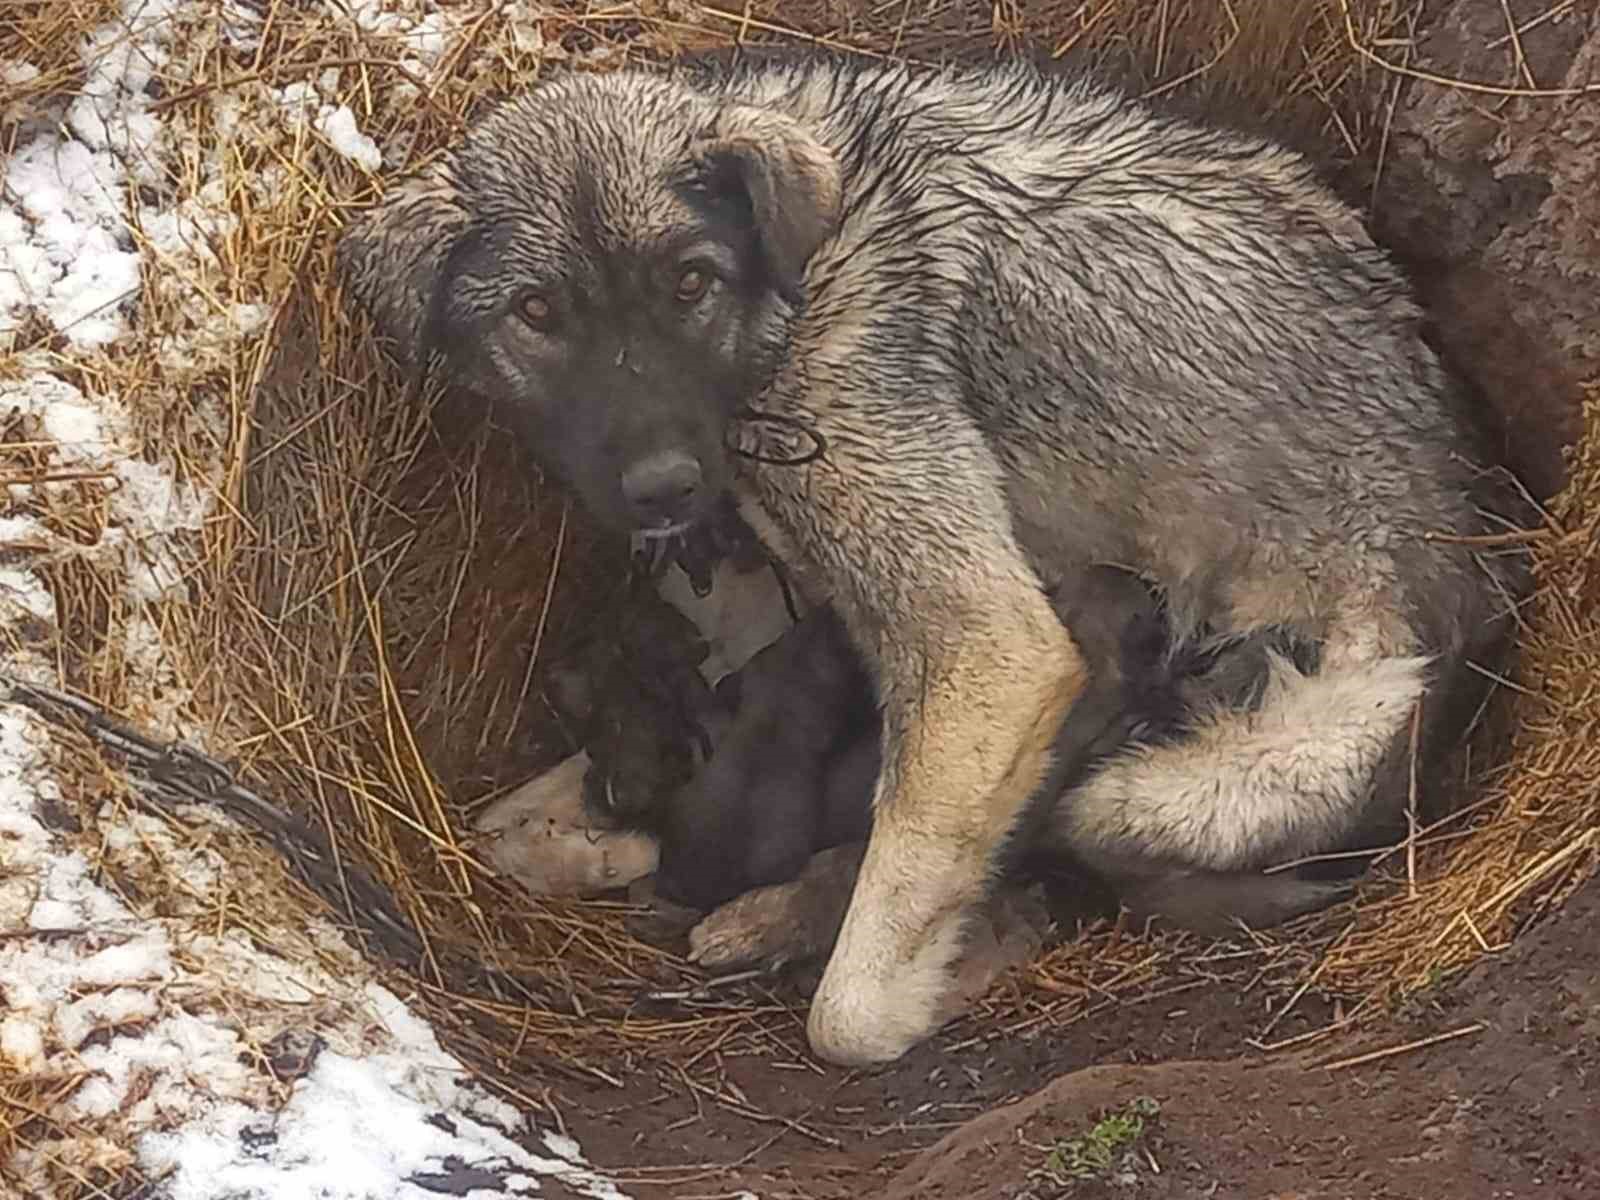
616 263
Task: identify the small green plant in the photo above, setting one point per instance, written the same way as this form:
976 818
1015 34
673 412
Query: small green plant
1098 1150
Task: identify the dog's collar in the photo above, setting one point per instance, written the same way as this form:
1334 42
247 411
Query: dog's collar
747 417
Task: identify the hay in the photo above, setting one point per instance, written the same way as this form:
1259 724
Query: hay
45 34
374 586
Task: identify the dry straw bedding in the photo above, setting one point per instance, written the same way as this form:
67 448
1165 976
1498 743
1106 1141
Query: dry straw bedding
368 600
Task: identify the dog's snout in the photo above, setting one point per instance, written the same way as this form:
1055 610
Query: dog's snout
662 488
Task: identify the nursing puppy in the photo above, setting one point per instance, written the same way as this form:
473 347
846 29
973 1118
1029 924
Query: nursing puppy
633 698
1026 324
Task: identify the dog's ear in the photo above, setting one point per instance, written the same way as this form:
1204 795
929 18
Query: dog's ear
789 179
391 258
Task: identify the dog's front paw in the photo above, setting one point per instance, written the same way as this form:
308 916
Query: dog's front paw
871 1009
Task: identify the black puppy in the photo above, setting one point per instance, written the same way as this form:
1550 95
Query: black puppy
636 702
761 806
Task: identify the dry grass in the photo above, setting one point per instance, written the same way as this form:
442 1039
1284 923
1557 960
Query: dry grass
376 585
46 34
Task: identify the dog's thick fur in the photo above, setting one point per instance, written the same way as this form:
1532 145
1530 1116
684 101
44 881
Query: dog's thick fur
1039 325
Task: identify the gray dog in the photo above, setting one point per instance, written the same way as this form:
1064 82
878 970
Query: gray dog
1035 325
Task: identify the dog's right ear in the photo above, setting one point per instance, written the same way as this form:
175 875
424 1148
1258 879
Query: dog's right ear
392 257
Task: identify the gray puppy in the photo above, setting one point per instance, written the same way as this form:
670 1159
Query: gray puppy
1033 324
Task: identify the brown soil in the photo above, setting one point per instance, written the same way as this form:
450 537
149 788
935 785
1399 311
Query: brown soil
1508 1110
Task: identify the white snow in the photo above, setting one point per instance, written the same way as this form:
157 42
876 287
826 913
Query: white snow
65 250
121 964
14 72
23 589
370 1124
429 38
338 125
151 508
301 102
123 1002
75 428
22 1044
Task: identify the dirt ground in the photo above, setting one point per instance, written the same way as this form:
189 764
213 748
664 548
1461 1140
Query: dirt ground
1509 1109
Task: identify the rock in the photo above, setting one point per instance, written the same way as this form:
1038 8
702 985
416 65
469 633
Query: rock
1499 202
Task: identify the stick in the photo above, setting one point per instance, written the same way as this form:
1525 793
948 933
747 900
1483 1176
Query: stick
1406 1048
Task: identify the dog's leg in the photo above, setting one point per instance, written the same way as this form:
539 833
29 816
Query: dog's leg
1249 788
968 722
975 676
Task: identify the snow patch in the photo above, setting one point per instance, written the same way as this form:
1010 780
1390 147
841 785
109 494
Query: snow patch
301 101
22 1044
354 1121
338 125
14 72
90 989
152 508
23 590
76 429
65 250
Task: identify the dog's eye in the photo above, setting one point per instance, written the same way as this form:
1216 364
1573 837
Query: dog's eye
534 309
692 284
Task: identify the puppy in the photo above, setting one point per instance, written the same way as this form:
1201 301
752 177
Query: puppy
638 704
758 810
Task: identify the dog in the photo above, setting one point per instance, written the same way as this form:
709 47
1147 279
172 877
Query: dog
948 336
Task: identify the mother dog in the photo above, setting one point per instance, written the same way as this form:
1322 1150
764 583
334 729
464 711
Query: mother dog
1038 325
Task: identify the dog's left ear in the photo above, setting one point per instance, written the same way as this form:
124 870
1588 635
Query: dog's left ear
790 180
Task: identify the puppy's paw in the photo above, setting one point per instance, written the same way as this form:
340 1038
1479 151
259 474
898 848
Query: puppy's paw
659 921
753 930
541 836
784 923
1004 934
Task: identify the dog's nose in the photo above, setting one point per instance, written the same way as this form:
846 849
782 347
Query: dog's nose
661 488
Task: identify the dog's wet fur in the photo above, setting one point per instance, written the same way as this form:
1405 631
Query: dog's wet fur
1035 325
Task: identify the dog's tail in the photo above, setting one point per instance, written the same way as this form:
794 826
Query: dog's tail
1246 789
1183 830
